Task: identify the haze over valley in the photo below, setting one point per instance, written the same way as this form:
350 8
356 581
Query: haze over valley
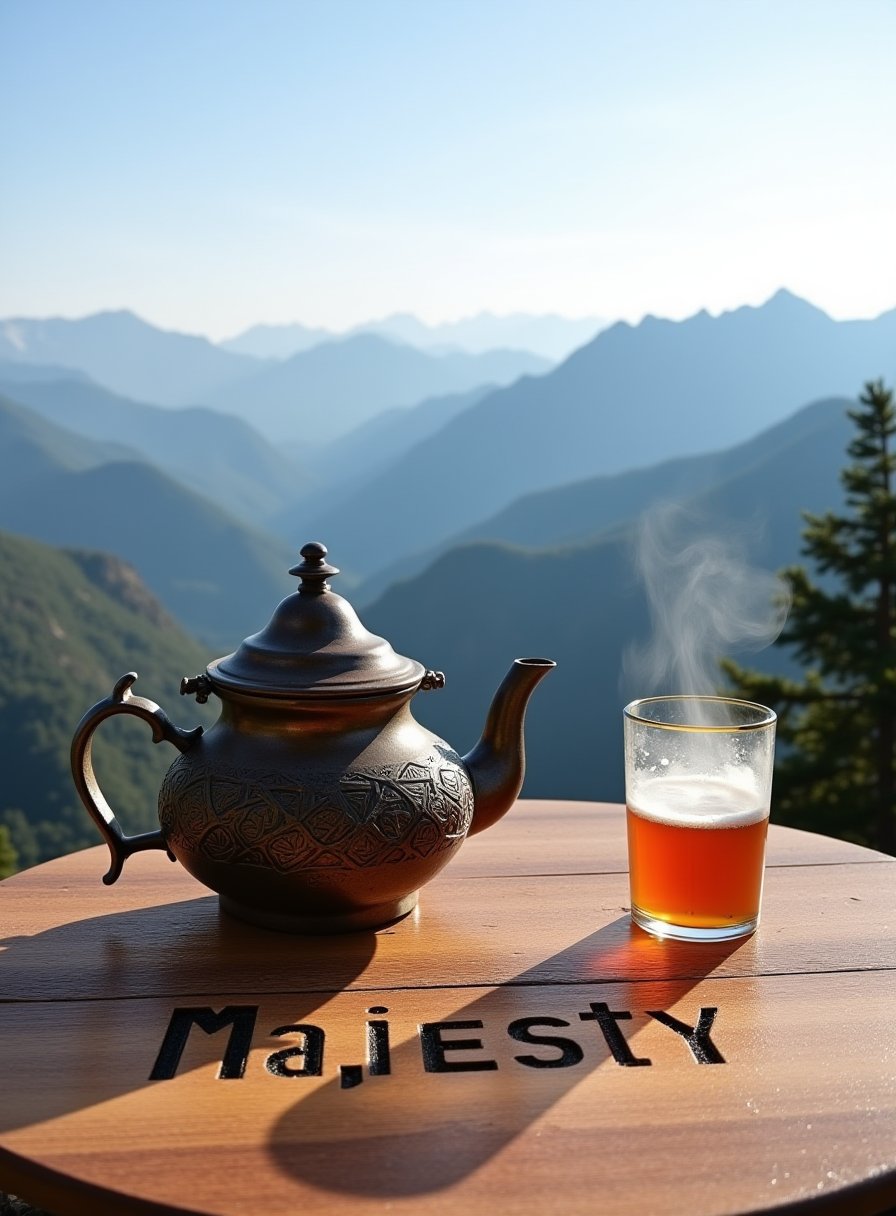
481 505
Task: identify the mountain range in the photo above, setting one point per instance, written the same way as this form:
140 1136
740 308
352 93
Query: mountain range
216 575
73 622
127 355
353 459
586 605
486 524
310 398
633 397
580 511
325 392
551 336
216 454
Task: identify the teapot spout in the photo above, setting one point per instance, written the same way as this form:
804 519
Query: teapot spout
497 764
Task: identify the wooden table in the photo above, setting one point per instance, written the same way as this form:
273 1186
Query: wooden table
513 1046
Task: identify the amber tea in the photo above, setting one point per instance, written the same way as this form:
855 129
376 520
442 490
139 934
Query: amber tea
698 783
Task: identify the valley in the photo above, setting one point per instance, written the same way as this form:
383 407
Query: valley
481 509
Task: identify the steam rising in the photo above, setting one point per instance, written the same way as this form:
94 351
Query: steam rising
706 603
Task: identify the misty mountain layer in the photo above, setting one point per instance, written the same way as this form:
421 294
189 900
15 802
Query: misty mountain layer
633 397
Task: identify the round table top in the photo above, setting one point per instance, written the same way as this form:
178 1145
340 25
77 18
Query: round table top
515 1044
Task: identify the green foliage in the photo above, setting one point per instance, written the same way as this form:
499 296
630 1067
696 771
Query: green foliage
8 856
65 638
217 576
837 771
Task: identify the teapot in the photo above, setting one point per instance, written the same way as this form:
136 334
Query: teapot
316 803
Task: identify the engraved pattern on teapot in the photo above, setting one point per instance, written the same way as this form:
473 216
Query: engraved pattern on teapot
411 810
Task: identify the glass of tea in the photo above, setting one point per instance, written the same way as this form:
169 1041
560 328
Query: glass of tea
698 779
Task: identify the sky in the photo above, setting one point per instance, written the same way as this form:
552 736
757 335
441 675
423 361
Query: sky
211 164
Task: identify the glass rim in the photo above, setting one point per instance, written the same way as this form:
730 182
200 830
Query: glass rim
767 717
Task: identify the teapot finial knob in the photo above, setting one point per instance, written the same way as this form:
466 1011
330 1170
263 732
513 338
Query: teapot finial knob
314 569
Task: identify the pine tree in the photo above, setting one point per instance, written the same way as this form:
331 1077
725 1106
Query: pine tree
836 771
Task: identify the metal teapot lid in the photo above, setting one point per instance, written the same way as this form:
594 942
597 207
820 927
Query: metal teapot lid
315 646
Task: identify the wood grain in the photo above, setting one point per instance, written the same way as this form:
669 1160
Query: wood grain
540 929
530 921
537 836
801 1106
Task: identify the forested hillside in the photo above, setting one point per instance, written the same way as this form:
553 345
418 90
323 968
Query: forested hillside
72 624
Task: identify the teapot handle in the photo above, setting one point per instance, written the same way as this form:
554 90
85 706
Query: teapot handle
121 702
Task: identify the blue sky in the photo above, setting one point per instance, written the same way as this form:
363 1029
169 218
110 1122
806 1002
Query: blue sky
215 164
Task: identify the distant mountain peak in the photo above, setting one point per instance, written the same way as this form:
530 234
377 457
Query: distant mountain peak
346 345
784 306
128 320
783 303
367 337
117 314
126 354
784 298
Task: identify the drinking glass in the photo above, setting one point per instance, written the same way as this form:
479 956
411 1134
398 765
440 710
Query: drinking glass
698 778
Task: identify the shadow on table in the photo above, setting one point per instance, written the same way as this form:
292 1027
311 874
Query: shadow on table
381 1147
377 1140
190 949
